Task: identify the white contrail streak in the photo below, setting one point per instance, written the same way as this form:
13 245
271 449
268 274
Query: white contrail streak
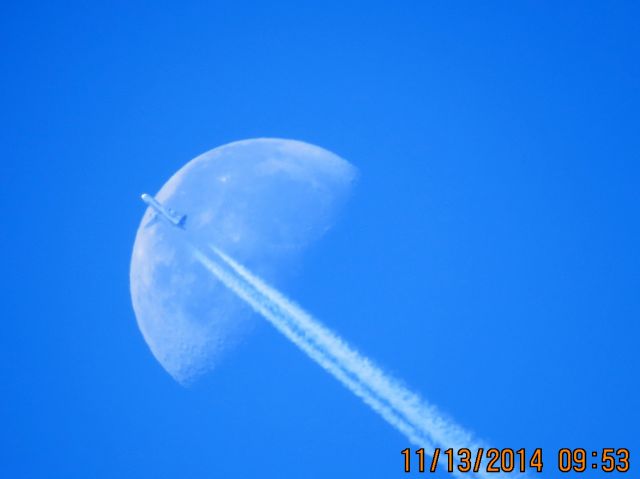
274 314
419 421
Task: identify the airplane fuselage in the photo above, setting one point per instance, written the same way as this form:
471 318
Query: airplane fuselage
171 216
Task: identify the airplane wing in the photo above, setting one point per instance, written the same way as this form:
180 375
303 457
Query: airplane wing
154 219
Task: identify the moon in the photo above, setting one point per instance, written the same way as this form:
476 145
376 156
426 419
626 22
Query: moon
263 201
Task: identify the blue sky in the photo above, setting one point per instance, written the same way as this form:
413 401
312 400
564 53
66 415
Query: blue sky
488 257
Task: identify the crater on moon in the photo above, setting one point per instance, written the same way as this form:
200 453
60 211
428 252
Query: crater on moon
263 201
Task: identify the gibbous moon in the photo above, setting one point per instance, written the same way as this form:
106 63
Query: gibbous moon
263 201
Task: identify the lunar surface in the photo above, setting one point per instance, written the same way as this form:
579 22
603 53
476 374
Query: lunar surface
262 201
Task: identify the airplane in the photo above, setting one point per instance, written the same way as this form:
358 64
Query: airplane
176 219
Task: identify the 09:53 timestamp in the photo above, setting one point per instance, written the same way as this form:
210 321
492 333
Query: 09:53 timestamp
509 460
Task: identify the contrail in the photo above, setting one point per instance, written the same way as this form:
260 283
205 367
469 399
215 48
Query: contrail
419 421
